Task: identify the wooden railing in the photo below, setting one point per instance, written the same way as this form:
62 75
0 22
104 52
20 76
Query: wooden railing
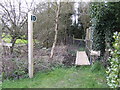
90 52
88 48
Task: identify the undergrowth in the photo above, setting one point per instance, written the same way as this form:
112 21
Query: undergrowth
62 77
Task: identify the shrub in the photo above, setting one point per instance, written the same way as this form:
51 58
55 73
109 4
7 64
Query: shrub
13 68
97 66
113 71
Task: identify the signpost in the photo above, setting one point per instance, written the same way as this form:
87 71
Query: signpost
31 18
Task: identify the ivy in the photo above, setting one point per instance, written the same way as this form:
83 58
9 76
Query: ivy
113 71
105 18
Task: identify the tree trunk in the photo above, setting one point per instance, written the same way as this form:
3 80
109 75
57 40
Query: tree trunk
13 44
56 30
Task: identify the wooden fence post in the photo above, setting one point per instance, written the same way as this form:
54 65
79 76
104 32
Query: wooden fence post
30 45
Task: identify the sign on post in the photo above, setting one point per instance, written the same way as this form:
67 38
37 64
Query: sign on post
31 18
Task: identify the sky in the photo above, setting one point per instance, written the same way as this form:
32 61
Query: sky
60 0
75 0
74 17
37 1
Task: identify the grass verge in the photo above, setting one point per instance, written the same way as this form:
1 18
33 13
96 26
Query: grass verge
74 77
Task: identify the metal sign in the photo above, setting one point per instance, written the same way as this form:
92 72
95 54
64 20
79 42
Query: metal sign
33 18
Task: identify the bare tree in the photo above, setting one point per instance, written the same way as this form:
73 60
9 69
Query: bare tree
56 28
14 19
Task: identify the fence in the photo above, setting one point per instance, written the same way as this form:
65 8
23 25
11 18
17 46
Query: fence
79 42
87 45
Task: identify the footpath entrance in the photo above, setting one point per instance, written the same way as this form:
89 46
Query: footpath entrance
86 57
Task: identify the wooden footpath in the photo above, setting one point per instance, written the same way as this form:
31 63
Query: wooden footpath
82 58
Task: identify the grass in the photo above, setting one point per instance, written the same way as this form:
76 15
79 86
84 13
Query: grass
74 77
81 49
7 39
21 41
18 41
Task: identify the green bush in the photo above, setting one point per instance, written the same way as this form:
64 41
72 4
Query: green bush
113 71
97 66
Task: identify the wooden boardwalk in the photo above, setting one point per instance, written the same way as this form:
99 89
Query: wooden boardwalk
82 58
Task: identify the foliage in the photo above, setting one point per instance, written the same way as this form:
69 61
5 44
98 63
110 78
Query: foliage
65 24
83 18
77 30
81 49
61 78
16 66
13 68
105 20
113 71
97 66
44 26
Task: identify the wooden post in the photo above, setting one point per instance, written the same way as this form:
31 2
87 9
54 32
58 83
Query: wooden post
30 45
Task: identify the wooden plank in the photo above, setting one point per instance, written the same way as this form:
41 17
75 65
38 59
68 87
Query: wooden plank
96 53
81 58
79 39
